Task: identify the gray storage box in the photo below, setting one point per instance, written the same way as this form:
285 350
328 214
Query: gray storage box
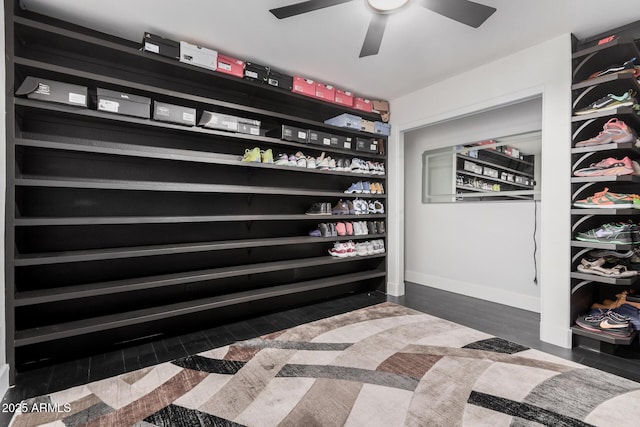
123 103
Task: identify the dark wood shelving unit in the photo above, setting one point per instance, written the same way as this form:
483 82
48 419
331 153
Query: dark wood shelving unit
587 289
121 228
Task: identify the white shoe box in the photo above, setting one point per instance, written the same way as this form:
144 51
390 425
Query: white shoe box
198 56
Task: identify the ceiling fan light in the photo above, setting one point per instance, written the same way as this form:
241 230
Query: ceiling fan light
386 6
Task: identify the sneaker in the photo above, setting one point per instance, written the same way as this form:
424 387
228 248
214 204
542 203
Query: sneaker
376 207
369 247
360 207
341 208
361 249
292 160
606 200
609 253
356 187
317 209
381 169
627 67
266 156
349 226
352 210
608 233
381 228
351 248
614 130
341 229
339 250
301 160
606 322
380 188
283 160
381 244
340 165
333 229
324 230
366 187
356 165
609 102
326 208
311 163
322 164
316 233
332 164
371 227
252 155
608 167
347 165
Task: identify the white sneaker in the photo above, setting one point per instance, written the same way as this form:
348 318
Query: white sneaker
301 160
311 163
361 249
369 247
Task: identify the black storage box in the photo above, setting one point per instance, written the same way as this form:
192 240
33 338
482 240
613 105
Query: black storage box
255 72
370 145
161 46
290 133
319 138
53 91
213 120
340 141
174 114
122 103
248 126
280 80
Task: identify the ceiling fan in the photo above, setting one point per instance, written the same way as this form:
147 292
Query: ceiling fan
464 11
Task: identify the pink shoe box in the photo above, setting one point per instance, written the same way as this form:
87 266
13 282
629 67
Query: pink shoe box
362 104
304 86
343 98
325 92
230 65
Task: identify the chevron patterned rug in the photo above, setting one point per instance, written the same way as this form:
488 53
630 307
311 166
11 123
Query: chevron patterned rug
384 365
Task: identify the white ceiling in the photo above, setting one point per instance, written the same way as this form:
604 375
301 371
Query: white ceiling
419 47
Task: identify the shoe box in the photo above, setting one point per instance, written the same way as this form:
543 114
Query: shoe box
523 180
472 167
345 120
304 86
248 126
214 120
490 172
343 98
340 141
256 72
325 92
280 80
122 103
381 128
230 65
369 145
290 133
53 91
161 46
367 126
362 104
505 176
382 108
198 56
319 138
171 113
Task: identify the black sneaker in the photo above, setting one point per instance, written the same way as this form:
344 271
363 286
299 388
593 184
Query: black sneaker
381 229
324 230
326 208
317 209
372 227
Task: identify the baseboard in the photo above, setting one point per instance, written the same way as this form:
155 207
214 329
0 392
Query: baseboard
395 289
4 379
475 290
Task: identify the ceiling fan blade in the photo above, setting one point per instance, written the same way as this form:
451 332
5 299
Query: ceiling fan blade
304 7
464 11
373 39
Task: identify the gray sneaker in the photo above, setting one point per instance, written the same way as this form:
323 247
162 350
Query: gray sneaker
608 233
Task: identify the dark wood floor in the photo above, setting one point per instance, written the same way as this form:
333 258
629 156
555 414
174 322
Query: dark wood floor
510 323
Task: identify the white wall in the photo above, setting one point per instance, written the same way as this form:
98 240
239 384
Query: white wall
4 368
480 249
545 70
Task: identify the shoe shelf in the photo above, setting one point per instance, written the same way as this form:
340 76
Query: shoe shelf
50 295
621 178
626 281
243 139
488 178
120 320
577 330
55 38
112 184
148 152
625 147
22 260
590 288
524 164
132 220
600 245
121 228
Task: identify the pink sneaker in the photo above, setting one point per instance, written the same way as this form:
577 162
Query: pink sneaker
613 131
608 167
